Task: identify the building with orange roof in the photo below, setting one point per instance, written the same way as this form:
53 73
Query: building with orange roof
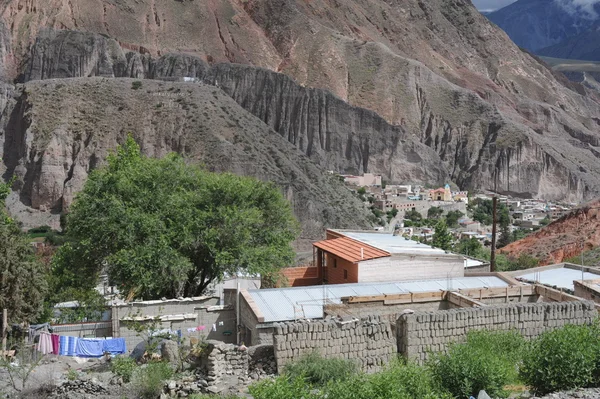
365 257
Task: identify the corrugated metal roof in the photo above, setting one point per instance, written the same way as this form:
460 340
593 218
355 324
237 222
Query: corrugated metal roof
351 250
393 244
562 277
282 304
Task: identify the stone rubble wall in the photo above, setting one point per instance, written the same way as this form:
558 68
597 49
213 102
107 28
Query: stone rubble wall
227 364
370 341
419 334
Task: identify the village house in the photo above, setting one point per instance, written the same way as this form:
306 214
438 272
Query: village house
367 179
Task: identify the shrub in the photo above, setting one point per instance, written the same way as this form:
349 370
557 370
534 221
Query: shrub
148 381
123 366
562 359
282 387
318 371
136 85
41 229
487 360
397 381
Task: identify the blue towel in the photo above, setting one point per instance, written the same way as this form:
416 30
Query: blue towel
72 346
115 346
89 348
63 347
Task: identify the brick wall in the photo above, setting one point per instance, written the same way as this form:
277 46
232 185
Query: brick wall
370 342
419 333
302 276
335 270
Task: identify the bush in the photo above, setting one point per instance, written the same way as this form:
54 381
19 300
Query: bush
123 366
397 381
136 85
282 387
562 359
148 381
41 229
318 371
487 360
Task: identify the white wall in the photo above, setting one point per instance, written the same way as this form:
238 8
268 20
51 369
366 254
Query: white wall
405 267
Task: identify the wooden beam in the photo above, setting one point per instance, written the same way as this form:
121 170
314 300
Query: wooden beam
463 301
555 295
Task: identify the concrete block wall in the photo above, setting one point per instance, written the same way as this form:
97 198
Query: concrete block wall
197 310
420 333
369 342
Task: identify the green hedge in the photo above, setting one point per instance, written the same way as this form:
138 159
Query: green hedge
562 359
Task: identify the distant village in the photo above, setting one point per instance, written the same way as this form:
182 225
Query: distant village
400 199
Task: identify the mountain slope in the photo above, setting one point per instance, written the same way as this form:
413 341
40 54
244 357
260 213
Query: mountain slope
536 24
585 46
54 132
562 239
439 72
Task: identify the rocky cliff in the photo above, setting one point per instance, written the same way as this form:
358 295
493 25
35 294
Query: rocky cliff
55 132
562 239
418 91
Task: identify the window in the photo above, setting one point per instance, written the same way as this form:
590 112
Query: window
334 263
345 274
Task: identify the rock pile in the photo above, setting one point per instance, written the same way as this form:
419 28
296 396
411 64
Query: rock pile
261 362
68 388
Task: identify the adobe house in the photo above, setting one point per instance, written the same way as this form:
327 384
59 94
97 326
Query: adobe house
365 257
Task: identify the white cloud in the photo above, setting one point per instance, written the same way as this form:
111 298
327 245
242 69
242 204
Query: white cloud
583 8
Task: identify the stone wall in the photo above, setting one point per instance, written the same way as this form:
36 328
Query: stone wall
419 333
370 342
228 366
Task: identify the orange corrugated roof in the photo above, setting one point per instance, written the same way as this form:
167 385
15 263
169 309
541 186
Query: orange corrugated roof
350 250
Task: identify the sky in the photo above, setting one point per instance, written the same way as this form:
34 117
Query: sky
491 4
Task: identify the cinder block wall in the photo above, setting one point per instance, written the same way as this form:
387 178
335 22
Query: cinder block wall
370 342
419 333
198 309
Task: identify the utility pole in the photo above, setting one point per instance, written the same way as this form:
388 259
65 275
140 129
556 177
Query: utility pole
494 220
582 247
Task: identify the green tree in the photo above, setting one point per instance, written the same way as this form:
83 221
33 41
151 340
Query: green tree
22 275
452 218
483 212
164 228
470 246
505 237
442 237
434 212
413 216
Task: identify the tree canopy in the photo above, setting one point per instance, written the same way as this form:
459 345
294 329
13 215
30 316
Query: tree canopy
164 228
22 276
434 212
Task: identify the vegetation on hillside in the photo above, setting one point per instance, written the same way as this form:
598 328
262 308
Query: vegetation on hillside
163 228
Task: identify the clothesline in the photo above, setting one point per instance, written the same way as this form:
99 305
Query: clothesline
80 347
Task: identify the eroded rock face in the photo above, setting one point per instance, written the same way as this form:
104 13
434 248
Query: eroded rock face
437 73
562 239
55 131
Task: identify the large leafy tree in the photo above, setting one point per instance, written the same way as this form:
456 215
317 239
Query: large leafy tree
164 228
22 275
